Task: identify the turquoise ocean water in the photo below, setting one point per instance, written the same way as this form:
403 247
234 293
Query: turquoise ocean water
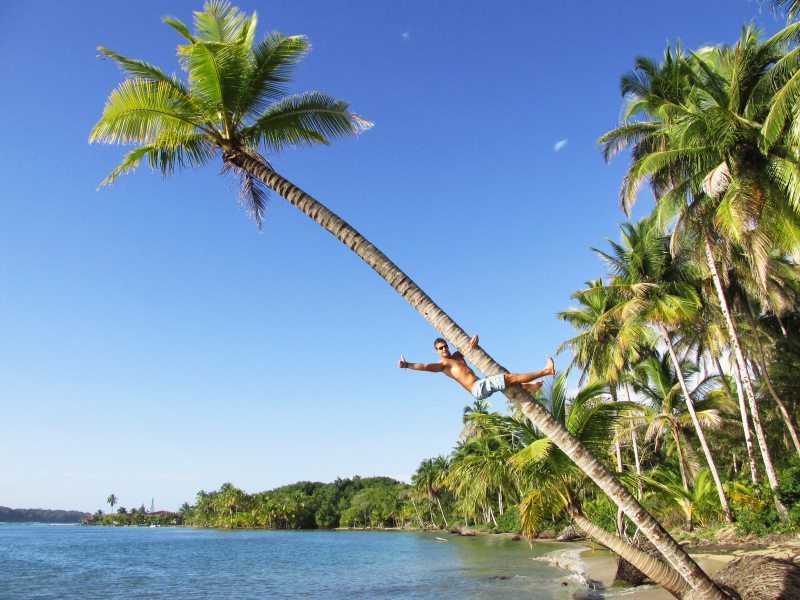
65 561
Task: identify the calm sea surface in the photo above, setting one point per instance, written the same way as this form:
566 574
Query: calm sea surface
52 561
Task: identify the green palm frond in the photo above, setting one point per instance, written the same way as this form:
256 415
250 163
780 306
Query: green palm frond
141 70
141 111
784 96
216 75
219 22
165 157
535 452
178 26
304 119
273 60
627 134
785 168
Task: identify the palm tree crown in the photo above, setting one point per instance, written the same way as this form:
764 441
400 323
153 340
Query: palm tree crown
235 101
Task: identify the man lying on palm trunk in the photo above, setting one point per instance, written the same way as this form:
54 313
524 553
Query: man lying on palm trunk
455 366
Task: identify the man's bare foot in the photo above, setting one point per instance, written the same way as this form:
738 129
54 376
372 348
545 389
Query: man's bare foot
550 369
536 385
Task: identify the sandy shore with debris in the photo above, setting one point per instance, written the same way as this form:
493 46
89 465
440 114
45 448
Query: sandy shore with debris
598 566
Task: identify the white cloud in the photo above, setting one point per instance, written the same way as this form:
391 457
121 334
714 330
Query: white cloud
559 145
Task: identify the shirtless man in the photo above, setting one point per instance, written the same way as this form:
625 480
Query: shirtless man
454 365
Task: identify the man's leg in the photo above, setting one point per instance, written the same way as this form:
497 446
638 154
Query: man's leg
515 378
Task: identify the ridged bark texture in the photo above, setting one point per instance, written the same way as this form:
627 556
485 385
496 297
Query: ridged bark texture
423 304
658 571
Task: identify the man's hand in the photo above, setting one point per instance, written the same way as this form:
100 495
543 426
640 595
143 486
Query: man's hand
402 363
473 341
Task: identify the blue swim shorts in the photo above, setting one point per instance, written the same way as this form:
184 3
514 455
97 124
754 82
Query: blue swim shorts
483 388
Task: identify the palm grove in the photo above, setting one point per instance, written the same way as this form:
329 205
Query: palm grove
685 346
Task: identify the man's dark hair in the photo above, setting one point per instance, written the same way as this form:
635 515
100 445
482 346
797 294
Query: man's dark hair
437 340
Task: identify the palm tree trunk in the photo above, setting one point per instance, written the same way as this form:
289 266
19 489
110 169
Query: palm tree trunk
442 511
658 571
416 510
620 514
746 383
723 500
762 365
684 475
748 440
635 446
637 463
547 424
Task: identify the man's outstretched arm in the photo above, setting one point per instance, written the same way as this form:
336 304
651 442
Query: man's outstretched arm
432 367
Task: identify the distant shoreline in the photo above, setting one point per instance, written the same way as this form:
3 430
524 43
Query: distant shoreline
40 515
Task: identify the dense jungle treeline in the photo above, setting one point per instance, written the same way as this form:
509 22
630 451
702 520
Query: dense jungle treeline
378 502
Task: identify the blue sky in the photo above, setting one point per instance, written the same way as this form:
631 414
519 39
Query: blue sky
155 343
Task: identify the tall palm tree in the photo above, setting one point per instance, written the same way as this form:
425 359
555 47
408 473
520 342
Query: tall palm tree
605 346
753 299
480 475
478 407
234 108
656 380
442 465
705 336
656 289
112 500
710 134
427 480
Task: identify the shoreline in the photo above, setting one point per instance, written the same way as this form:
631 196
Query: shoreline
600 565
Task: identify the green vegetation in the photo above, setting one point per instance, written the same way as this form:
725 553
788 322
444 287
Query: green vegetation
357 502
134 517
370 502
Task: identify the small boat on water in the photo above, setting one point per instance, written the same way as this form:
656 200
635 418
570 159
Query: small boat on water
440 539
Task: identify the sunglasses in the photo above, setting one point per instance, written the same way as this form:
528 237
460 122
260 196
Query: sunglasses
441 347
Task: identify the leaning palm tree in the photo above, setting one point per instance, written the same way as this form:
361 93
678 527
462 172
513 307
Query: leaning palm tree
553 486
233 108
